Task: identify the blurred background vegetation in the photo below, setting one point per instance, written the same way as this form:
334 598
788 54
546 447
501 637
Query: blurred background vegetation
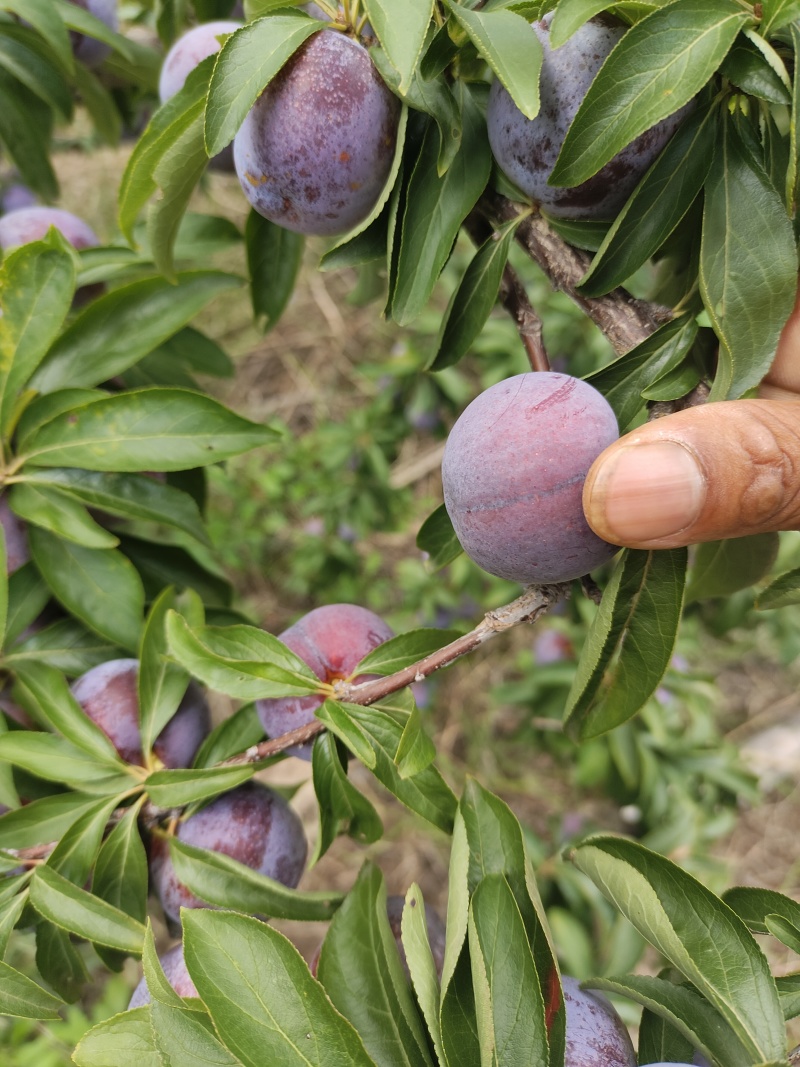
707 774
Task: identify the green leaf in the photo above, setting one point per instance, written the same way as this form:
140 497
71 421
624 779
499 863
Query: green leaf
100 104
262 999
696 932
787 933
754 72
118 329
249 59
511 1011
65 645
162 565
177 788
777 14
99 586
119 1041
120 875
438 538
784 590
681 1007
46 19
342 808
637 622
61 515
81 913
435 208
789 992
274 255
235 734
753 905
360 968
660 1041
241 661
44 820
657 205
27 596
128 496
147 429
24 999
401 38
657 67
509 44
338 720
37 283
161 683
75 854
426 793
721 568
421 965
59 963
404 650
622 381
186 1038
78 18
416 751
9 916
473 300
56 760
223 881
25 126
22 55
570 16
748 265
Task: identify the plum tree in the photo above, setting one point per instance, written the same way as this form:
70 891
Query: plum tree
189 50
15 536
174 968
596 1036
87 49
527 149
513 470
28 224
108 694
251 824
331 640
316 149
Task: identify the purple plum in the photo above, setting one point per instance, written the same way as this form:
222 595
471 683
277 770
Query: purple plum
174 968
513 472
108 694
596 1036
251 824
89 50
527 149
32 223
315 151
16 537
188 51
331 640
16 196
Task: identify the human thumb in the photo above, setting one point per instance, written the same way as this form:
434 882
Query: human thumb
720 470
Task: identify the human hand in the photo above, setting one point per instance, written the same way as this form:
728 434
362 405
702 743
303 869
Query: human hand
710 472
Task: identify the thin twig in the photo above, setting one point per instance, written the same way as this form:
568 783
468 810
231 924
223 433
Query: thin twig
529 607
625 321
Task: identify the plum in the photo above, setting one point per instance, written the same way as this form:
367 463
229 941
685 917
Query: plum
251 824
527 149
16 537
89 50
513 470
15 196
188 51
596 1036
316 149
174 968
28 224
331 640
108 694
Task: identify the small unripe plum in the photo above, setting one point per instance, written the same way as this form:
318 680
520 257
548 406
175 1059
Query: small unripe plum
32 223
188 51
174 968
316 149
251 824
108 694
596 1036
513 471
527 149
16 537
89 50
331 640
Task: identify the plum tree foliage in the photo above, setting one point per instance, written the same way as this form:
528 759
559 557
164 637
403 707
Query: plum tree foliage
651 145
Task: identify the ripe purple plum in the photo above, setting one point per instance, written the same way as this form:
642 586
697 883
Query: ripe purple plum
15 534
251 824
331 640
108 694
15 195
596 1036
513 471
316 149
527 149
89 50
188 51
174 968
32 223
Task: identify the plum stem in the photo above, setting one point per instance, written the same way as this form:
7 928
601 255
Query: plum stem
624 320
536 601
